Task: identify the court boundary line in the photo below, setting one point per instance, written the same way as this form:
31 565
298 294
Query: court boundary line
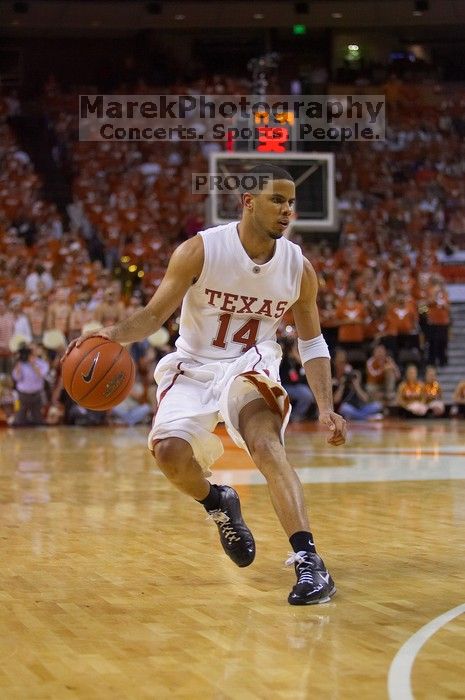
399 675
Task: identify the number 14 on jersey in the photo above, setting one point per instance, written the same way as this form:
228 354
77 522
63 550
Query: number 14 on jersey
246 334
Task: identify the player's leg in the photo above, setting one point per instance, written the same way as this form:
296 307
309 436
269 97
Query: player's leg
260 429
184 445
178 432
175 458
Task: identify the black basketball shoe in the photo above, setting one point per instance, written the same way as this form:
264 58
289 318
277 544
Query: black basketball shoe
314 583
236 538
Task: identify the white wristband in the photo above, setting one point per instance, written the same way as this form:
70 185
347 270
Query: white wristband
310 349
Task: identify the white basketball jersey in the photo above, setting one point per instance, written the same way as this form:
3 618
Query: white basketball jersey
236 304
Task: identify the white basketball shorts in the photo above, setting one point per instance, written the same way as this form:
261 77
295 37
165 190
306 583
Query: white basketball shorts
193 397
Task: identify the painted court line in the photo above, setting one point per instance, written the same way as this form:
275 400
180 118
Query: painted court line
399 677
418 452
359 469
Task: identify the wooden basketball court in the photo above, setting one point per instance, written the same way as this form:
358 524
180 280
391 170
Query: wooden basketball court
113 585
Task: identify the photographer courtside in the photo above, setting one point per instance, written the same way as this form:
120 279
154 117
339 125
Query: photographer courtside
29 374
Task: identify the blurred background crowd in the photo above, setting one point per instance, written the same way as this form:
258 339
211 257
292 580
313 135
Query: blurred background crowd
96 249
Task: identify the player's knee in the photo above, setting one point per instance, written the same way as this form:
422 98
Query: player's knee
173 456
266 451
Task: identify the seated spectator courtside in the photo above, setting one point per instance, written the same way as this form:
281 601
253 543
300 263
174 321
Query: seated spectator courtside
433 393
458 407
292 377
353 402
420 398
29 375
411 395
382 375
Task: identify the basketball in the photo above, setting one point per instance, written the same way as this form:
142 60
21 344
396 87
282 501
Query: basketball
99 374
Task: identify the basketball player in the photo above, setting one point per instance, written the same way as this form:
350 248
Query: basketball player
235 283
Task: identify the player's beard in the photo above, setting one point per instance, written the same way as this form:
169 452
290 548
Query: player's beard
275 236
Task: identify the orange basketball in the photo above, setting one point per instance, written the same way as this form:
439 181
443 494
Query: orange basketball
98 374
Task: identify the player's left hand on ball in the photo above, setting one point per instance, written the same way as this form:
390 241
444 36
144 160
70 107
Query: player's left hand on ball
336 424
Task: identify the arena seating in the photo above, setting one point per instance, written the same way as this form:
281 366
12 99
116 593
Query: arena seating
402 207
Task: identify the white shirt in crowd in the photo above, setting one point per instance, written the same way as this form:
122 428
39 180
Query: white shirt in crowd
35 283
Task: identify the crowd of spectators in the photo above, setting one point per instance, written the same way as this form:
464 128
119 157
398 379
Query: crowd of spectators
377 390
383 299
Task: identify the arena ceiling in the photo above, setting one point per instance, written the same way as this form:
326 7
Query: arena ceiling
62 16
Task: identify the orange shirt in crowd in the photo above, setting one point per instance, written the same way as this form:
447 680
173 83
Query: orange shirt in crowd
375 370
431 391
328 318
402 319
377 327
411 391
438 309
352 316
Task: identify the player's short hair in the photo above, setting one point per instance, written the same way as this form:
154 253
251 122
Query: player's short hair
274 172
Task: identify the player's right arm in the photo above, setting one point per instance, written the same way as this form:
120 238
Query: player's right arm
184 268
